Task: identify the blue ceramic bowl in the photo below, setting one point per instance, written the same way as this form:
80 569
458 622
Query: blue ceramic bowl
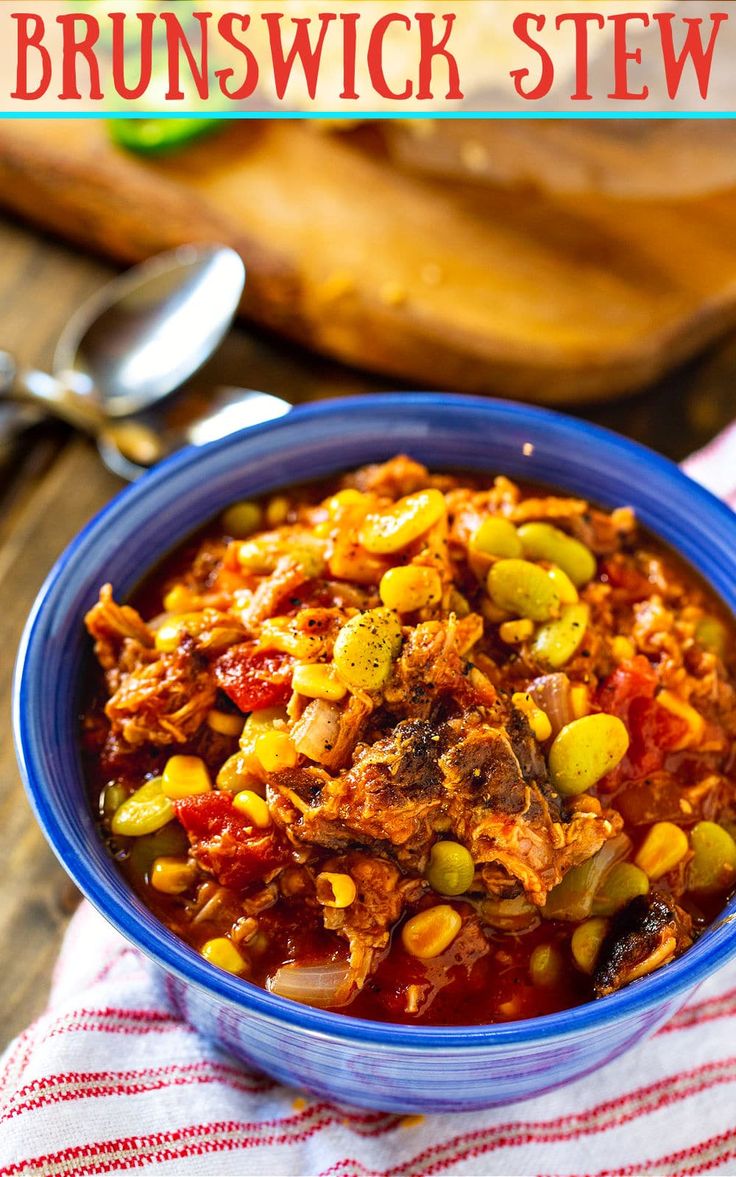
391 1067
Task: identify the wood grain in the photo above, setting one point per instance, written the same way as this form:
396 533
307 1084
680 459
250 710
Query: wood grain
53 486
481 289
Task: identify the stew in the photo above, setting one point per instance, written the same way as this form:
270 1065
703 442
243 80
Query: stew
420 747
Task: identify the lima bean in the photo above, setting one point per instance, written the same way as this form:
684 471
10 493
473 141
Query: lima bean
542 541
557 641
523 589
496 536
585 750
713 866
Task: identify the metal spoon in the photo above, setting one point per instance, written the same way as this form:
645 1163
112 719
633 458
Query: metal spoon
131 344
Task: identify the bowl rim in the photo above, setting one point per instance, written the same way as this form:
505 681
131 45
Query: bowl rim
167 951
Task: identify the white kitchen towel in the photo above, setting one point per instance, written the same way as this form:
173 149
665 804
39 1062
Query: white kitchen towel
107 1081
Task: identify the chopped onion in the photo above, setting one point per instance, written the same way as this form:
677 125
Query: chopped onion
551 692
316 732
509 915
572 899
314 984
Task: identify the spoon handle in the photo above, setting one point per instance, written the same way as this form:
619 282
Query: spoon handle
32 387
15 418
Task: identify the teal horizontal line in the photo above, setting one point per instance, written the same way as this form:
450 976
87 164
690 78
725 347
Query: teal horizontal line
373 114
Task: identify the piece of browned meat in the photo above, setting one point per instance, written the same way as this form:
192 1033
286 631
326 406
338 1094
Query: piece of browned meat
387 798
504 811
366 924
111 624
398 477
163 702
433 666
649 931
123 641
484 783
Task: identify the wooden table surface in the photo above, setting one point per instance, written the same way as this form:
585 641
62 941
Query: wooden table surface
55 482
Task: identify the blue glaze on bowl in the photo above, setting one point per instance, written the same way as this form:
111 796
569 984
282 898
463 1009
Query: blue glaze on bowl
392 1067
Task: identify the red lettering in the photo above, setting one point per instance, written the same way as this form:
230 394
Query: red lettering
176 43
301 48
72 48
349 41
428 49
117 56
622 56
580 20
375 57
702 59
547 69
31 38
250 81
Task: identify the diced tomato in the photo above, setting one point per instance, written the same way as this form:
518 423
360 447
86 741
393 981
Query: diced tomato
623 575
628 681
653 730
254 678
224 843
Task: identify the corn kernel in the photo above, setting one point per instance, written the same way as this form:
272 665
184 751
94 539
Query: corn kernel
693 719
185 776
538 719
566 590
258 555
516 632
168 635
587 941
431 932
335 890
257 723
664 846
622 648
344 499
252 807
180 599
224 723
277 510
275 750
172 876
224 955
241 519
579 700
402 523
317 681
410 588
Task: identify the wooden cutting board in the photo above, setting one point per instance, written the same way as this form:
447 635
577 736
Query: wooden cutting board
484 289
